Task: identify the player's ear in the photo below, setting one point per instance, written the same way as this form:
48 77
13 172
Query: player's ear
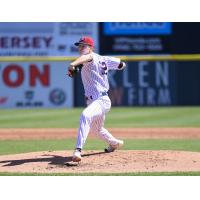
92 48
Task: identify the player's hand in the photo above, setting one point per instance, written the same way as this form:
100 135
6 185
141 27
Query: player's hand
71 67
71 71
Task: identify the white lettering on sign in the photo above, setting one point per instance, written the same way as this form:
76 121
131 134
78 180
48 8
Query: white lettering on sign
137 25
126 81
164 96
153 84
151 96
142 74
162 74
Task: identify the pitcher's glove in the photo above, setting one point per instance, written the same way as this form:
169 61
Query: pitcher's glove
72 70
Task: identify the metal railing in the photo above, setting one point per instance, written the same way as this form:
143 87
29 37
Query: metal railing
175 57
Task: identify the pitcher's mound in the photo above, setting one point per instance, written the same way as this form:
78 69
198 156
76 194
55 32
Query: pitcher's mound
95 161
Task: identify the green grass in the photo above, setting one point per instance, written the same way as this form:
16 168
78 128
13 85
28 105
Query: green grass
117 117
105 174
15 147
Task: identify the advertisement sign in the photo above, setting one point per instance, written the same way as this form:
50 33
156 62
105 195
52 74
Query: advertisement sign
144 83
30 85
67 33
44 39
137 44
134 38
137 28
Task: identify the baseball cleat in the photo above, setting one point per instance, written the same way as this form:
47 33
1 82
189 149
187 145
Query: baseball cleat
76 156
113 147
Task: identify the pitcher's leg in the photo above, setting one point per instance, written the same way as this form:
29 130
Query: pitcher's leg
107 136
86 119
113 143
104 134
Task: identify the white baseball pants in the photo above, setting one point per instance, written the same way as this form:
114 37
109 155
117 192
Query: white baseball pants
92 119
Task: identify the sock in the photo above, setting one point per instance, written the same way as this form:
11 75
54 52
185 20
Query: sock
79 149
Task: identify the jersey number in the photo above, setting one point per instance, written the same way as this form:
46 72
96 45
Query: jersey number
104 68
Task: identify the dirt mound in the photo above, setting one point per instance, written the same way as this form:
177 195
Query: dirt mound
95 161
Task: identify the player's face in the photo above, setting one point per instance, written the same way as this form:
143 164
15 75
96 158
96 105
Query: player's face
84 49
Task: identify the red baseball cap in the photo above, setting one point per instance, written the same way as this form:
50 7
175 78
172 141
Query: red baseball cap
85 40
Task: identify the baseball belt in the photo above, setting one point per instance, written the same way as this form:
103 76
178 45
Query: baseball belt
101 94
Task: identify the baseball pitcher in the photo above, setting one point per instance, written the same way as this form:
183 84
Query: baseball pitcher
94 74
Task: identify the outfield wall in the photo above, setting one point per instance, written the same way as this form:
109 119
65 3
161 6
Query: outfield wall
30 82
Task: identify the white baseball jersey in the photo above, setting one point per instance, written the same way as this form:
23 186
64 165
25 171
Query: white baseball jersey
95 74
95 81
